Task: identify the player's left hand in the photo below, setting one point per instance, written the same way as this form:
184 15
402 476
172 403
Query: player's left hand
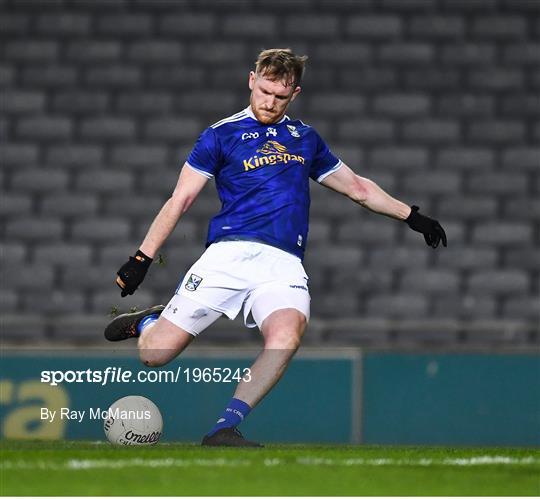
432 229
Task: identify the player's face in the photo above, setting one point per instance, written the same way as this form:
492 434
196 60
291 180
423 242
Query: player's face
269 99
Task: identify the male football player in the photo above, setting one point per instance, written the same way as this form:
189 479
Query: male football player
261 161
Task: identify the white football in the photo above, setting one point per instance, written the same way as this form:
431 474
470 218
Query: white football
133 420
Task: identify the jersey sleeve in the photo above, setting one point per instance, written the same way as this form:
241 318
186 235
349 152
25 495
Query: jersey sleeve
324 162
205 155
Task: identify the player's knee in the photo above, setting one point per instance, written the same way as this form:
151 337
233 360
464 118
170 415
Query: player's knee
285 332
155 353
150 353
284 339
153 358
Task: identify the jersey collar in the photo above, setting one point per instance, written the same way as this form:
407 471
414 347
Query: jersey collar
252 115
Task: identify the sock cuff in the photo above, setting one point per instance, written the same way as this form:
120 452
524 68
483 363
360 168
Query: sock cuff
146 321
240 406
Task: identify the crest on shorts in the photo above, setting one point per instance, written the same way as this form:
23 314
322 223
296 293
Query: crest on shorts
193 282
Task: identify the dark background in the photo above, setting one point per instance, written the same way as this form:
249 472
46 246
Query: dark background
436 100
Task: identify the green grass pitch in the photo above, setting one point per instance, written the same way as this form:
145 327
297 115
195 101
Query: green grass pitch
97 468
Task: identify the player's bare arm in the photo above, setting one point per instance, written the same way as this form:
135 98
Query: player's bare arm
368 194
188 187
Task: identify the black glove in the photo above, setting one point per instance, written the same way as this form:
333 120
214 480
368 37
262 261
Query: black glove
132 273
432 230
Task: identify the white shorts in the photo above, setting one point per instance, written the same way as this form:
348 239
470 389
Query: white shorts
231 275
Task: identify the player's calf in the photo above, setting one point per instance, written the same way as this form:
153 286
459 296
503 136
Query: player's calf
162 342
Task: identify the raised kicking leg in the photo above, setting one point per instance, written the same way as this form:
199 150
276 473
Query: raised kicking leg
161 342
282 331
163 332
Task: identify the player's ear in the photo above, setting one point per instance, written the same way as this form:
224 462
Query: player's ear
251 81
297 90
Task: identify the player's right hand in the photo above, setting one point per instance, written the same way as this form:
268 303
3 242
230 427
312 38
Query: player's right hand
132 273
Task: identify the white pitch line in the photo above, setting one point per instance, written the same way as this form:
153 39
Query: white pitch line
472 461
86 464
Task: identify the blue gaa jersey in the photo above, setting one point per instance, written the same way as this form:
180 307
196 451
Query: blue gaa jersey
262 177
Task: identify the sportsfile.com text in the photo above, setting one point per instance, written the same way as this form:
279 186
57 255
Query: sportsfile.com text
120 375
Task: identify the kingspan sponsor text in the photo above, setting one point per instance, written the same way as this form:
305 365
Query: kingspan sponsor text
271 159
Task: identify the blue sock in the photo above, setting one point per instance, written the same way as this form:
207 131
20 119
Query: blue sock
233 415
146 321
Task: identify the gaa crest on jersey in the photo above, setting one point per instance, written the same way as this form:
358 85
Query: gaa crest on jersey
293 131
193 282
